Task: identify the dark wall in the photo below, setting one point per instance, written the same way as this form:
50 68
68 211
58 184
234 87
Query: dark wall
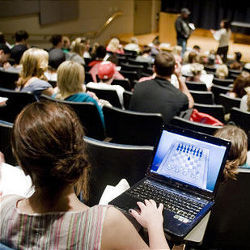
207 14
50 11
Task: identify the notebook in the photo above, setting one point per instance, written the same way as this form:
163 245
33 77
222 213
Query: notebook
184 175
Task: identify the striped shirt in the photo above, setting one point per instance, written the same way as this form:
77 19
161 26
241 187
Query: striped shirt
55 230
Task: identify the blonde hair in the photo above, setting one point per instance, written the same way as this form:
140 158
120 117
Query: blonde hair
196 68
113 44
70 78
222 71
35 63
79 45
238 152
177 50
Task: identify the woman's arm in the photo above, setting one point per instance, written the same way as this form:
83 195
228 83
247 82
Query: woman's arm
119 233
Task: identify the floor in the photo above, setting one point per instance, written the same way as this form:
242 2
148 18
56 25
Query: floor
206 42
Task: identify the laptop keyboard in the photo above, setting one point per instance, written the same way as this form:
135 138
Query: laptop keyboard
183 207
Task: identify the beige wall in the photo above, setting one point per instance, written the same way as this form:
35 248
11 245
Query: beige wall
92 14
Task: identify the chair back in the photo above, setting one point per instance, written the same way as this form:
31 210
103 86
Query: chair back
222 82
134 128
228 226
195 126
210 69
217 90
198 86
88 115
5 146
216 111
8 79
108 95
131 75
112 162
88 77
126 99
202 97
122 82
228 102
15 103
241 119
131 67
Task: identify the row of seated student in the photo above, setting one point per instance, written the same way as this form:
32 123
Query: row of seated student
51 215
193 71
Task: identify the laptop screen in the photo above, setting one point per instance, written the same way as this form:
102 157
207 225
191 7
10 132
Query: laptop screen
189 160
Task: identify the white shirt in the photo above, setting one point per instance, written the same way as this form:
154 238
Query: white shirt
119 89
14 181
243 103
223 36
132 47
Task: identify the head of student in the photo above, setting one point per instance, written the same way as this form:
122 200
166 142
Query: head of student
164 64
35 63
106 72
185 13
238 151
4 53
225 24
70 79
21 36
47 140
79 45
241 83
57 41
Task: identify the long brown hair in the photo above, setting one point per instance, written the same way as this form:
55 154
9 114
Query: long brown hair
47 140
238 151
240 83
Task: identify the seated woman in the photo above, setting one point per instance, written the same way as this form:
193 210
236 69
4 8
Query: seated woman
238 152
115 46
240 84
70 82
32 79
78 47
221 71
48 142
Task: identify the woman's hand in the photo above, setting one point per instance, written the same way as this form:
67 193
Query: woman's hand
149 215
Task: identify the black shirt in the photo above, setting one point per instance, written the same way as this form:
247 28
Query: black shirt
158 96
182 28
17 52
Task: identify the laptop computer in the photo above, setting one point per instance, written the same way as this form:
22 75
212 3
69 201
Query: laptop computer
184 176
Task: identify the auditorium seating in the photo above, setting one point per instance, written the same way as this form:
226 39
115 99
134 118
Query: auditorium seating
241 119
202 97
16 102
131 75
129 127
222 82
88 77
88 115
109 95
228 226
217 90
216 111
123 83
8 79
197 86
130 67
126 99
144 64
5 146
228 102
210 69
195 126
112 162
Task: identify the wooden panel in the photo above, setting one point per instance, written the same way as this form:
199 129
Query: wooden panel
167 31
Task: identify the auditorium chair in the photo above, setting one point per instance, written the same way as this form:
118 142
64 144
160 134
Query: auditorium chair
109 95
197 86
126 99
88 77
15 103
122 82
228 102
131 75
149 71
241 119
88 115
134 128
228 226
222 82
217 90
130 52
121 59
216 111
202 97
112 162
8 79
195 126
5 145
130 67
53 83
144 64
235 72
210 69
